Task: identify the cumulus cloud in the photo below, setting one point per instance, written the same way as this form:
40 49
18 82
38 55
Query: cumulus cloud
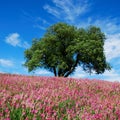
6 63
68 10
112 49
15 40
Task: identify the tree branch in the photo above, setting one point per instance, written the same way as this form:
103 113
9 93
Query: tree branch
72 68
54 70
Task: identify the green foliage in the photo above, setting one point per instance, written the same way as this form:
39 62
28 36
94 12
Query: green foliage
16 114
63 106
64 47
67 104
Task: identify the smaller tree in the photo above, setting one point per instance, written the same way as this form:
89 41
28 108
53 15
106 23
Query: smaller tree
64 47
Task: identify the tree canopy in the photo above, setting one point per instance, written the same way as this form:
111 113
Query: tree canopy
64 47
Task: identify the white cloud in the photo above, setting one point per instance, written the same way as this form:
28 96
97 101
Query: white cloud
37 22
107 24
40 27
25 44
41 20
14 40
42 72
112 48
111 75
68 10
6 63
79 73
52 10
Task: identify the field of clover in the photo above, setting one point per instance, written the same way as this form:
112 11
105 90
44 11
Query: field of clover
52 98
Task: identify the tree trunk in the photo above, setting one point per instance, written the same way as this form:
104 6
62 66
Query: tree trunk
54 69
72 68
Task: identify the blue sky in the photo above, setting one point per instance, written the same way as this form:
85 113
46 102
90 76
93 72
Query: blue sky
23 20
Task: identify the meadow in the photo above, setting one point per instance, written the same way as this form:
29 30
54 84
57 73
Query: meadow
52 98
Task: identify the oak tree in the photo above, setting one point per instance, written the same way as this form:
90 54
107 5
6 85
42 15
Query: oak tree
64 47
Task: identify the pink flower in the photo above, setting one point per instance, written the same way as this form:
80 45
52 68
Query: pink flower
42 115
7 119
6 110
34 111
50 96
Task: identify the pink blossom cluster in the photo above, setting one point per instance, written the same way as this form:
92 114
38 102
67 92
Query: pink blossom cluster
52 98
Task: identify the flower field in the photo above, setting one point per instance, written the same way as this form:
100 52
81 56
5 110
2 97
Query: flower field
52 98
